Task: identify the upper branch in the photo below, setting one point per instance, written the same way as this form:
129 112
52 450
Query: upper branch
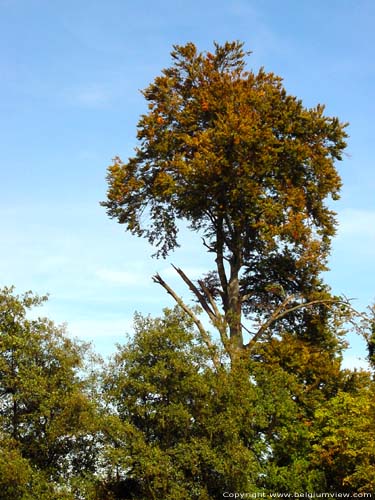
205 336
282 310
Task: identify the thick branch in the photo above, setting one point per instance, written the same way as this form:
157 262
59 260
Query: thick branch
220 322
205 336
234 311
197 293
282 311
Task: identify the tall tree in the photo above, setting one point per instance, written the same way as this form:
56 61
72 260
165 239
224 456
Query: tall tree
249 168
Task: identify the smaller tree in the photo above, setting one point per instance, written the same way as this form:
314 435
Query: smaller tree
15 472
179 428
44 409
300 382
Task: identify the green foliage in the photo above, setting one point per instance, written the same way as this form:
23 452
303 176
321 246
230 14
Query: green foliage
172 424
298 380
45 413
345 435
15 472
178 430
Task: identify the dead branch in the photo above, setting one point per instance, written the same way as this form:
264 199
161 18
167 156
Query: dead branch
219 319
205 336
197 293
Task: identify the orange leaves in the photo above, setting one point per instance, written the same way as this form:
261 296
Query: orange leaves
204 106
216 133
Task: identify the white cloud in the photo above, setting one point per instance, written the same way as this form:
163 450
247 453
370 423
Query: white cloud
355 222
122 277
91 95
100 329
356 237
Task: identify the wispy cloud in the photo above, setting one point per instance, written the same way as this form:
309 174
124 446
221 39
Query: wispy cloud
356 233
357 222
122 277
91 95
112 329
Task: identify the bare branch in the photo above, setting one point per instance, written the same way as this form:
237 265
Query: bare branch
245 328
202 300
205 336
282 310
220 321
210 248
312 303
274 316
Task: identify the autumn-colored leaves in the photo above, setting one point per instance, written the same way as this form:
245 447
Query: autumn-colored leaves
243 162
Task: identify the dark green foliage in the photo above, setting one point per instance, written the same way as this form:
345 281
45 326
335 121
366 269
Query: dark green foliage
182 429
173 425
178 430
344 429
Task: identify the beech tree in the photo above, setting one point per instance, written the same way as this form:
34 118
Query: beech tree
250 169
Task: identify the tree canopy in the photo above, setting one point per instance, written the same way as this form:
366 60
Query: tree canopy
163 421
178 428
248 167
46 416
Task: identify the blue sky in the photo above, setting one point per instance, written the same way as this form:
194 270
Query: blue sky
69 96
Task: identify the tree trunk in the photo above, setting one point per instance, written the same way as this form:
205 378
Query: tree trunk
233 314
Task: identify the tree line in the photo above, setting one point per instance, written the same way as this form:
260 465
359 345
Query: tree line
257 403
